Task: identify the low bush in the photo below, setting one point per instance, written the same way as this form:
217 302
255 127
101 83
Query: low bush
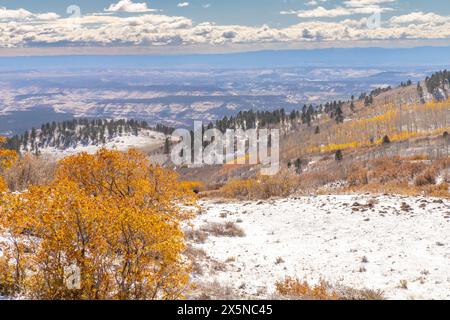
295 289
363 294
357 175
402 176
426 178
30 170
198 236
393 169
410 175
262 187
227 229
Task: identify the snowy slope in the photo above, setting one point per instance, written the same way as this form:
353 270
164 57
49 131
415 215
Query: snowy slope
147 139
338 238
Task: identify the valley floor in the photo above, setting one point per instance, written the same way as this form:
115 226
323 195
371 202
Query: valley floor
397 244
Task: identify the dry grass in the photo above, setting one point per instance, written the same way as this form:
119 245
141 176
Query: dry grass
363 294
197 236
293 288
401 176
213 291
426 178
393 169
281 185
261 187
358 175
196 256
310 181
403 284
227 229
440 191
30 170
413 175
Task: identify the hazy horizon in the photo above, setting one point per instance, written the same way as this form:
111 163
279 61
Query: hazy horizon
327 57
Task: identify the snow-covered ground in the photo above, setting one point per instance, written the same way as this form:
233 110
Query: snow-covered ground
360 241
146 139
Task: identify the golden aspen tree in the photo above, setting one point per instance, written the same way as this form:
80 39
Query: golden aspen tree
113 217
399 123
7 158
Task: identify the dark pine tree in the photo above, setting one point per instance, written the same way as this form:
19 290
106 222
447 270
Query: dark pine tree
338 156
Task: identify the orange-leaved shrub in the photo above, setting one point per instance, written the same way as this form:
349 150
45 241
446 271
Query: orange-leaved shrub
261 187
107 227
402 175
394 169
295 289
7 159
426 178
357 175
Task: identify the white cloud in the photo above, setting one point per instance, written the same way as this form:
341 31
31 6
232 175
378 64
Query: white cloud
23 29
419 17
314 2
321 12
311 3
22 14
364 3
129 6
47 16
349 7
206 6
183 4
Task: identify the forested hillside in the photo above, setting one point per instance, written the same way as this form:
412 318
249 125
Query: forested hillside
84 132
438 85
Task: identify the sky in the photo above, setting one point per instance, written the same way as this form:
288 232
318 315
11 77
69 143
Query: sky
169 27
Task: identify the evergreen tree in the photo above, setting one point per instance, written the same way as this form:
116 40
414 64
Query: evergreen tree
352 106
386 140
338 156
298 165
339 115
167 146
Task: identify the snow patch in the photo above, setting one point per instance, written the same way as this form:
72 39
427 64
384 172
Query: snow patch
359 241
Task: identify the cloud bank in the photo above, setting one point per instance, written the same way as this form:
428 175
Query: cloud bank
135 24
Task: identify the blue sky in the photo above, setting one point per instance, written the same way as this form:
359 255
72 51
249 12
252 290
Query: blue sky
219 25
245 12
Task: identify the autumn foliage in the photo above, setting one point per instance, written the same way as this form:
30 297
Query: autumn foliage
7 158
401 175
397 123
112 219
296 289
261 187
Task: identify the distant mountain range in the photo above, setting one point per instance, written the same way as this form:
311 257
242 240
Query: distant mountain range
333 57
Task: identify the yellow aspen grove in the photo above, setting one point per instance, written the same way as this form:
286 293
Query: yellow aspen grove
3 186
107 227
413 121
7 159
